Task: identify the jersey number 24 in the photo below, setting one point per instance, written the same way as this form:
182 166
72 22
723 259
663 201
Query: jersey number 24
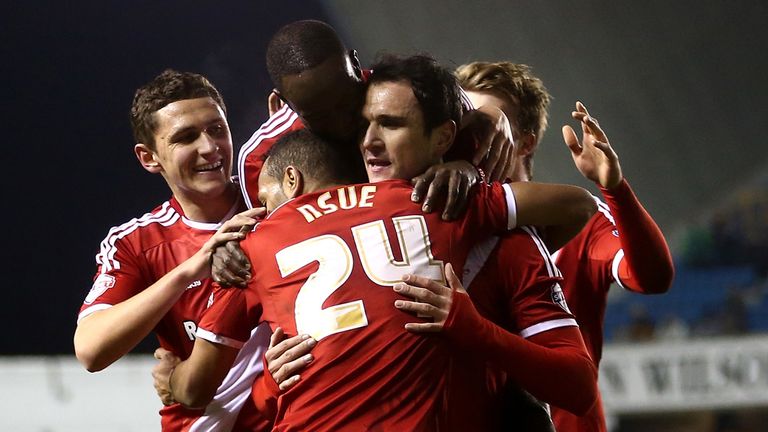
336 262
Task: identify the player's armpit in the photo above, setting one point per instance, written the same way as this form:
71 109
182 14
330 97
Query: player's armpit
195 380
553 365
565 206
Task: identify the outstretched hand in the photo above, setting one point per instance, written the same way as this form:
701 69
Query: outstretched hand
594 157
431 299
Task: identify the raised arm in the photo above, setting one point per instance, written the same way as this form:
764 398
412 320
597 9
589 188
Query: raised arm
647 265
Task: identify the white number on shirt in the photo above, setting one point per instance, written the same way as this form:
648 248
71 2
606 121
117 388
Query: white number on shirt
335 265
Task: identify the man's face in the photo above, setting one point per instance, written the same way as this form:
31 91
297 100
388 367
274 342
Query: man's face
193 147
395 145
271 192
328 98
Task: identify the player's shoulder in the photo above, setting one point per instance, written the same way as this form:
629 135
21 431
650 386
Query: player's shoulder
523 237
151 227
602 223
283 121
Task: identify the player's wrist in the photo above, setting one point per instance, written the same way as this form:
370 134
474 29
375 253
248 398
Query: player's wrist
170 399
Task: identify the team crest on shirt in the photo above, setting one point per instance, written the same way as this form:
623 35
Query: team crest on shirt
559 297
100 285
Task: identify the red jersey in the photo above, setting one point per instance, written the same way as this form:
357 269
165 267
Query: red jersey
251 156
336 255
135 255
622 244
590 262
512 282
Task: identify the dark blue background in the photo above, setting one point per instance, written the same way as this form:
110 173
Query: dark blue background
69 72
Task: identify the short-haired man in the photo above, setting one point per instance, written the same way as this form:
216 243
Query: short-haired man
153 271
323 87
403 137
621 243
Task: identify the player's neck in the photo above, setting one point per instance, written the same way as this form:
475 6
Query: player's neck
209 210
312 185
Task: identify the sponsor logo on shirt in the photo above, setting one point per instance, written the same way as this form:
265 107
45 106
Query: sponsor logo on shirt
615 233
100 285
210 301
194 284
559 297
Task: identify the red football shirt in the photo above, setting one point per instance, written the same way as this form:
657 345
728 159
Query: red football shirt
512 282
135 255
324 264
590 263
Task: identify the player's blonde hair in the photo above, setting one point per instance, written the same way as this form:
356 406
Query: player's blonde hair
515 82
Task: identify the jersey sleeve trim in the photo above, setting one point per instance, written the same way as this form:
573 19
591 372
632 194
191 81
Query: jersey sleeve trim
275 125
221 340
511 206
604 210
92 309
552 270
165 216
548 325
615 267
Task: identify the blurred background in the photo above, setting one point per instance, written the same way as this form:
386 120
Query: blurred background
679 88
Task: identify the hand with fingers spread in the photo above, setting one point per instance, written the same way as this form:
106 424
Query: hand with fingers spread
229 265
161 374
452 178
431 299
594 156
488 127
286 357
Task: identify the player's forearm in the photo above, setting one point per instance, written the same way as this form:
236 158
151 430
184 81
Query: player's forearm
195 380
104 336
552 205
647 258
556 368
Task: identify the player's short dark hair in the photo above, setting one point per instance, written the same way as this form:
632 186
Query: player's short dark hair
313 156
299 46
168 87
434 86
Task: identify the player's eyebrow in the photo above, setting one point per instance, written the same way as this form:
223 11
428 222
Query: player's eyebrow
391 120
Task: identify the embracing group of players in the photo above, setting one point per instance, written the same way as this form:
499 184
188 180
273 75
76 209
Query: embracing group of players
399 277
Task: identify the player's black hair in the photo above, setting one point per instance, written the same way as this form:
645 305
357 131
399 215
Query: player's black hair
434 86
313 156
299 46
168 87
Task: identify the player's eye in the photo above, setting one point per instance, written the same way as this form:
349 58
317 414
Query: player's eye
216 130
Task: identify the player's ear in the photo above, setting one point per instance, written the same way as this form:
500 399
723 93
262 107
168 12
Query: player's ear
147 158
293 182
525 144
274 102
443 136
